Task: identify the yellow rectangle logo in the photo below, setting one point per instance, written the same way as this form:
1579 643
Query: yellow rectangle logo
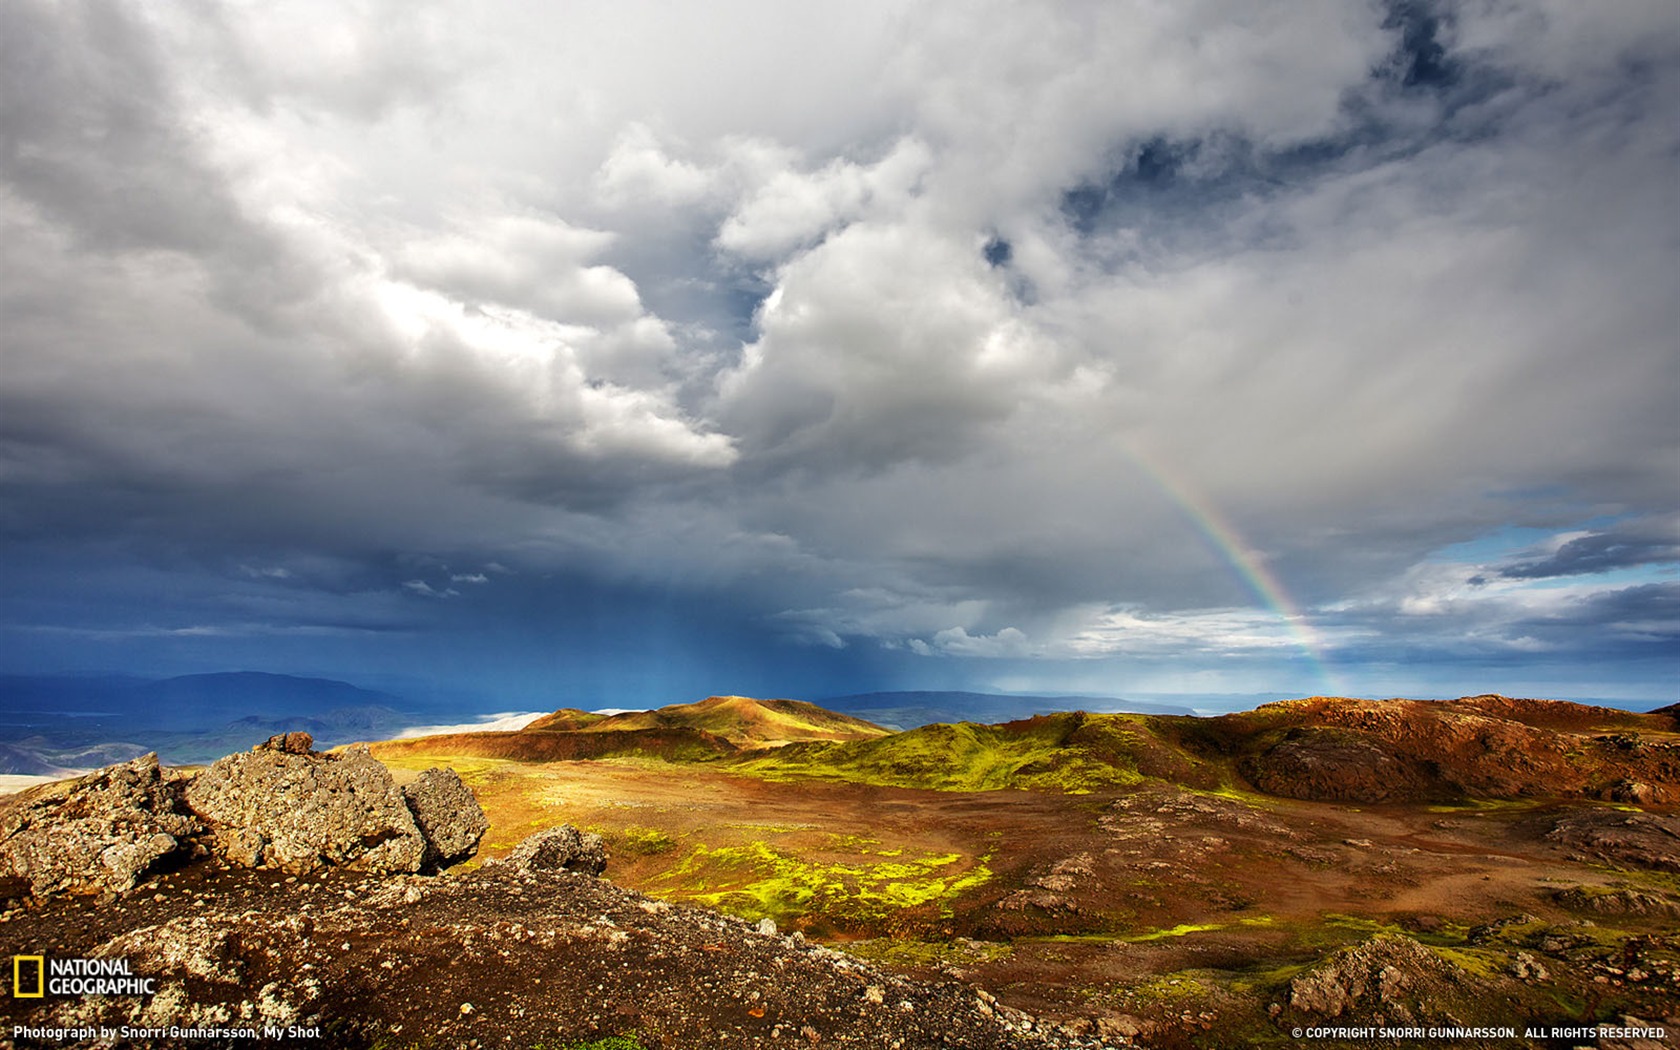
22 978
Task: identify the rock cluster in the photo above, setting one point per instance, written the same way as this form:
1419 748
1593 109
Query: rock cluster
1390 976
100 832
1617 902
280 805
283 806
559 849
1646 840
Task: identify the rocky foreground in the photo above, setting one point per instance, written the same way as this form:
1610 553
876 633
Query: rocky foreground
306 896
288 897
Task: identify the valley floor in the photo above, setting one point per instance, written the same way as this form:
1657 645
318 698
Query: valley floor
1178 917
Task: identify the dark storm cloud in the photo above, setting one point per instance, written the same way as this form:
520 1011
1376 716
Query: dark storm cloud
1039 340
1633 545
89 131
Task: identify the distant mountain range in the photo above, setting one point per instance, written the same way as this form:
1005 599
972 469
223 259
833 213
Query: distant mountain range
53 723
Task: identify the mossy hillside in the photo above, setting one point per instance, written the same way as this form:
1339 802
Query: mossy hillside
742 721
1071 752
756 880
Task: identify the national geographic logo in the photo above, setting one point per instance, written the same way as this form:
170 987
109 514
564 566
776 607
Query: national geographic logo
38 976
29 977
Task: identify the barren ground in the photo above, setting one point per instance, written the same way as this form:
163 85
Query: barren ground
1172 914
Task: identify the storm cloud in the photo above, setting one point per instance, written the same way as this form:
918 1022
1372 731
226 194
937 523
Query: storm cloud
1195 347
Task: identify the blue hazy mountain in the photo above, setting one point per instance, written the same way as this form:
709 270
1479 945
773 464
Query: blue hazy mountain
193 702
63 721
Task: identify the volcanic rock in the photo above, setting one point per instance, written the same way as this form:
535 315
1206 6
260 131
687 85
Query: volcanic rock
1618 902
1647 840
1393 976
448 816
276 807
299 743
543 958
100 832
559 848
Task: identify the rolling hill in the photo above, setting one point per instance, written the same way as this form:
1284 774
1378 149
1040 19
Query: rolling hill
746 723
1319 748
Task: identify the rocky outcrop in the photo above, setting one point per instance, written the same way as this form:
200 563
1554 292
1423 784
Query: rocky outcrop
103 831
1617 902
1334 765
559 849
1339 750
283 806
1393 977
279 805
1645 840
448 816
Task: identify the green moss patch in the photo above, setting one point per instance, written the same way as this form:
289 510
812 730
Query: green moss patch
757 880
907 954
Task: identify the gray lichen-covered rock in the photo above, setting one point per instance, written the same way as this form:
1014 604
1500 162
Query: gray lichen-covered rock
280 805
449 817
563 847
1390 975
103 831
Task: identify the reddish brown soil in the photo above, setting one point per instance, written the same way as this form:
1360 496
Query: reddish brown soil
1078 920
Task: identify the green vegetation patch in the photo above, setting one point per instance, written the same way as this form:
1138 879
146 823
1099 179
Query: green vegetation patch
905 954
1073 753
1181 930
756 880
647 842
611 1042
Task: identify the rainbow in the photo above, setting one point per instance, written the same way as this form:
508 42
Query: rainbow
1223 537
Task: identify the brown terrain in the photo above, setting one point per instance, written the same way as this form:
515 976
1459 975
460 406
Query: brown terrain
778 879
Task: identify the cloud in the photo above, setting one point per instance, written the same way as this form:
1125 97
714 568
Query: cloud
955 641
1633 545
426 590
500 722
639 172
1301 293
524 262
791 209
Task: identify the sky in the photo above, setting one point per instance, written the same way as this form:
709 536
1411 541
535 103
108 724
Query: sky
625 353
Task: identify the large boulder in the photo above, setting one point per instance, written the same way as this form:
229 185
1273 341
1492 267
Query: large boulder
281 805
448 816
562 848
102 832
